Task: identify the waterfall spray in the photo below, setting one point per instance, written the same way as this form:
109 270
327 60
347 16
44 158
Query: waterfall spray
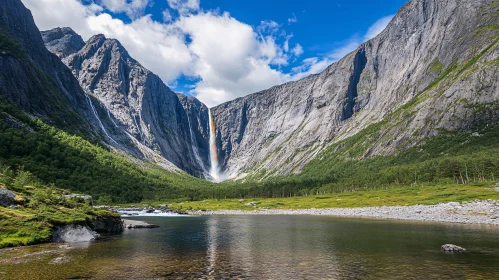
215 168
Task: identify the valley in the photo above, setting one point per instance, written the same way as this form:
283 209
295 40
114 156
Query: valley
409 119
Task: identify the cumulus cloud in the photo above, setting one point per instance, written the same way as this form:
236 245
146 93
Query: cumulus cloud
231 65
132 8
297 50
49 14
167 16
224 57
184 7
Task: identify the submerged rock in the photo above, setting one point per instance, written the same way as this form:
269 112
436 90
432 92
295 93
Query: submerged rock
73 233
451 248
60 260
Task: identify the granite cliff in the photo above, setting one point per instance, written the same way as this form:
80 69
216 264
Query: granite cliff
135 100
427 72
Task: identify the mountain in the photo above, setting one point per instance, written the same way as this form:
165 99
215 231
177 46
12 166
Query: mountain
35 79
136 100
433 69
417 102
52 129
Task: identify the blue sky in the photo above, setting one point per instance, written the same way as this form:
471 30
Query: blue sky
218 50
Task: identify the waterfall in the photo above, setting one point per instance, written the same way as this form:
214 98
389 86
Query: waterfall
194 147
214 167
98 119
138 127
109 115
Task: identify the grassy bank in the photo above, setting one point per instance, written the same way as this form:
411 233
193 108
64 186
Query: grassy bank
37 210
401 196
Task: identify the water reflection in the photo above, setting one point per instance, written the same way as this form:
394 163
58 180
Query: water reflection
267 247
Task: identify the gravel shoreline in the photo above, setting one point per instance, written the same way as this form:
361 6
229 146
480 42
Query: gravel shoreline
475 212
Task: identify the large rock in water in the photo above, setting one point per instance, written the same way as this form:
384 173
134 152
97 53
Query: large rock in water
73 233
7 198
109 224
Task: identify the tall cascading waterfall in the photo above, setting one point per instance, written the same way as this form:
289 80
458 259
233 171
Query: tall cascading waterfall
215 172
98 119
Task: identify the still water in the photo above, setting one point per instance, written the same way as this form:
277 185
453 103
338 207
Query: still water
267 247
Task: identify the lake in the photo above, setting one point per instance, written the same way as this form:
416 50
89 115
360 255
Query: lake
267 247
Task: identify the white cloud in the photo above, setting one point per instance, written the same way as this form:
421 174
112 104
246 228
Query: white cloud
60 13
309 66
226 57
234 64
268 26
292 19
159 47
184 7
377 27
297 50
132 8
167 16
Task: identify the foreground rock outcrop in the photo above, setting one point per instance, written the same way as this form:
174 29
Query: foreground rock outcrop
7 198
73 233
108 224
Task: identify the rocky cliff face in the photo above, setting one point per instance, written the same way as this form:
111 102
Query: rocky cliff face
429 71
35 79
40 84
135 99
198 122
433 69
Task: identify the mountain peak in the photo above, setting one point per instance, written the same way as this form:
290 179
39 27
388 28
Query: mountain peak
62 41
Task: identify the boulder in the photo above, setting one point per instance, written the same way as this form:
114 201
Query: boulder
451 248
497 189
107 223
73 233
129 224
7 198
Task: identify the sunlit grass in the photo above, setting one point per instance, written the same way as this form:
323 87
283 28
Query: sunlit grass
402 196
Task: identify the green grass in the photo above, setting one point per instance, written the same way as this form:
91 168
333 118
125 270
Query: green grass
398 196
40 209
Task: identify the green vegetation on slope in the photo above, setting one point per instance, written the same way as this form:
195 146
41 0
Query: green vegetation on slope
39 209
70 162
400 196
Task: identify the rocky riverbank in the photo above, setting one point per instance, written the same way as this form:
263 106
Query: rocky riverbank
475 212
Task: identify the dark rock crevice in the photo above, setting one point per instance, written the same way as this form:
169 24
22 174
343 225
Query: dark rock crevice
244 123
359 64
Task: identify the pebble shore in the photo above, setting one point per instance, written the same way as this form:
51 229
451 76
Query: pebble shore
475 212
